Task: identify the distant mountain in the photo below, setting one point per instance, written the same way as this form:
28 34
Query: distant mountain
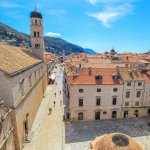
148 52
55 45
89 51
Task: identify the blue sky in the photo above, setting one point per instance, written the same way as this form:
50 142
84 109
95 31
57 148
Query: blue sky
97 24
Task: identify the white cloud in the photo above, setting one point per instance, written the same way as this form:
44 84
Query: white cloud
112 10
52 34
93 1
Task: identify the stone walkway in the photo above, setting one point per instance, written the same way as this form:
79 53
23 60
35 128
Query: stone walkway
79 135
48 128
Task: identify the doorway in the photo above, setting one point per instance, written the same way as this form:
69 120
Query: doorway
97 115
136 113
114 114
125 114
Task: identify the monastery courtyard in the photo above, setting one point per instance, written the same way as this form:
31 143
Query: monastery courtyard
49 132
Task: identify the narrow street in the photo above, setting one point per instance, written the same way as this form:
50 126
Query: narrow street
48 127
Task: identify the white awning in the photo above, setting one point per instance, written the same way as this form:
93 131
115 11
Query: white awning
52 77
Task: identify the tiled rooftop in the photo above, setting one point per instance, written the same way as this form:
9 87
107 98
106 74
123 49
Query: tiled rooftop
15 59
85 78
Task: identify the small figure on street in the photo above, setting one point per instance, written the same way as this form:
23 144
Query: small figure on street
60 92
54 103
60 102
50 110
55 94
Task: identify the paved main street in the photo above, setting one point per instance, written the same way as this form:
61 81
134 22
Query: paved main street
49 132
48 127
79 135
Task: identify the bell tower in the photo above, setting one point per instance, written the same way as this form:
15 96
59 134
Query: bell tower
37 37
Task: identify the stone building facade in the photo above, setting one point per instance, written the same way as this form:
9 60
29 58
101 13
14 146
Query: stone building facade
6 128
106 93
23 80
89 98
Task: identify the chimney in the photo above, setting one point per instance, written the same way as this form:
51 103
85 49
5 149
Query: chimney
130 73
90 70
80 66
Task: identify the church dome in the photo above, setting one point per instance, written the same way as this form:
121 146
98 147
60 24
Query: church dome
115 141
35 14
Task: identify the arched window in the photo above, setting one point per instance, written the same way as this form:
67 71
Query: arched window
35 22
34 34
38 34
80 116
22 87
115 77
98 77
114 114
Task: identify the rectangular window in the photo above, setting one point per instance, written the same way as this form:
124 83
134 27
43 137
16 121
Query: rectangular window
98 90
80 102
128 83
115 89
98 101
80 90
136 103
105 112
139 83
114 101
138 94
126 103
80 116
127 94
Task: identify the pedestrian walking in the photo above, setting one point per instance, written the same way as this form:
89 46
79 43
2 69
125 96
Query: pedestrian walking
55 94
54 103
60 102
50 110
60 92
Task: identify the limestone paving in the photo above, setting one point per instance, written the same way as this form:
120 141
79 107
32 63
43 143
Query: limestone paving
48 127
79 135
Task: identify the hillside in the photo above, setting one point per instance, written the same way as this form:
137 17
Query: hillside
56 45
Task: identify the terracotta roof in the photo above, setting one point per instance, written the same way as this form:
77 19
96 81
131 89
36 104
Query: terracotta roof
15 59
130 74
115 141
85 78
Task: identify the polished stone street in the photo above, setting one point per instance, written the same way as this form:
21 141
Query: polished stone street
48 126
79 135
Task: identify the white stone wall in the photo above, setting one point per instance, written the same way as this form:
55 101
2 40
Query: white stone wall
146 101
133 91
15 83
89 101
5 89
5 127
